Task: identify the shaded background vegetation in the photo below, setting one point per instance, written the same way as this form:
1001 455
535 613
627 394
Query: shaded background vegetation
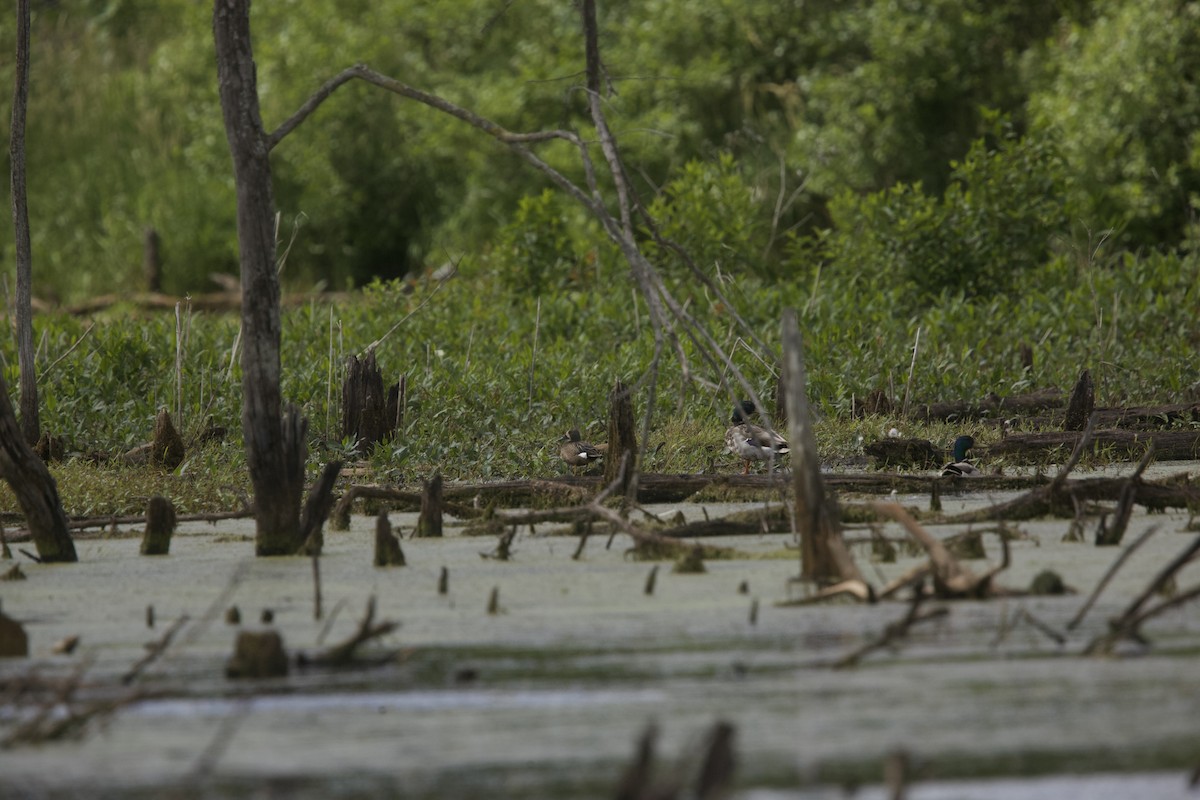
993 173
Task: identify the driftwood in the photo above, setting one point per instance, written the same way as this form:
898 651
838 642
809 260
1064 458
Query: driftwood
951 579
387 546
914 453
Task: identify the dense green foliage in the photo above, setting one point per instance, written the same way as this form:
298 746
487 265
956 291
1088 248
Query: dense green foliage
811 106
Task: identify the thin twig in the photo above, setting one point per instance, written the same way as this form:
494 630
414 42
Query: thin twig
1116 565
67 352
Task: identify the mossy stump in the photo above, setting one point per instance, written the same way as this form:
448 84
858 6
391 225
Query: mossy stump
257 654
387 544
160 526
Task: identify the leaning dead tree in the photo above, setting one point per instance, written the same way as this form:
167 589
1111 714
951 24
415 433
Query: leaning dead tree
276 445
623 216
34 486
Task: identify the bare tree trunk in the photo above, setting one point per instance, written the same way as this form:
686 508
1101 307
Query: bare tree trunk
34 487
276 466
30 423
824 557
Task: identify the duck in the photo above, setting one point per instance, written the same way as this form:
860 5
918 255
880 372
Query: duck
576 452
960 467
752 442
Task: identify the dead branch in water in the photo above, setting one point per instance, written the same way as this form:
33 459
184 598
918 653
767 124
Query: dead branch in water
893 632
1128 625
951 579
343 654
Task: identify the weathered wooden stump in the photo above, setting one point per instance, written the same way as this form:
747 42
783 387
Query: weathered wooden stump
14 643
387 544
369 413
916 453
50 447
429 523
622 437
160 525
1081 404
257 654
167 448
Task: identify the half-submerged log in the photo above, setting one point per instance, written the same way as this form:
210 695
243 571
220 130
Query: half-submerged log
824 557
34 487
160 525
370 414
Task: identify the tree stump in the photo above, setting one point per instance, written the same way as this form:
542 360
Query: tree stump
257 654
429 523
160 525
622 436
369 414
1081 404
166 450
14 643
387 544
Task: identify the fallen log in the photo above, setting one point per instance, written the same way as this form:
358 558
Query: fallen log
1032 448
991 406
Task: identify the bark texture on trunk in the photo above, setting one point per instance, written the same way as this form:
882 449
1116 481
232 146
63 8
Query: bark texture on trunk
275 447
34 486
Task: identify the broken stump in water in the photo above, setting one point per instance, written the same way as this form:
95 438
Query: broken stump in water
429 523
257 654
160 525
13 640
387 545
622 437
370 414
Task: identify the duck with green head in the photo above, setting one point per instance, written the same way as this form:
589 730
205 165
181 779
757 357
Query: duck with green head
959 467
752 442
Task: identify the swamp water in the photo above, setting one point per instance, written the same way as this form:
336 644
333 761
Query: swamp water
547 697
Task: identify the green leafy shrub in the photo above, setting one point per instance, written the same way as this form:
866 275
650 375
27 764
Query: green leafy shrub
996 221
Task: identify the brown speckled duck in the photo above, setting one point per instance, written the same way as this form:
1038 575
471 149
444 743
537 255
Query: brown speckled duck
576 452
752 442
